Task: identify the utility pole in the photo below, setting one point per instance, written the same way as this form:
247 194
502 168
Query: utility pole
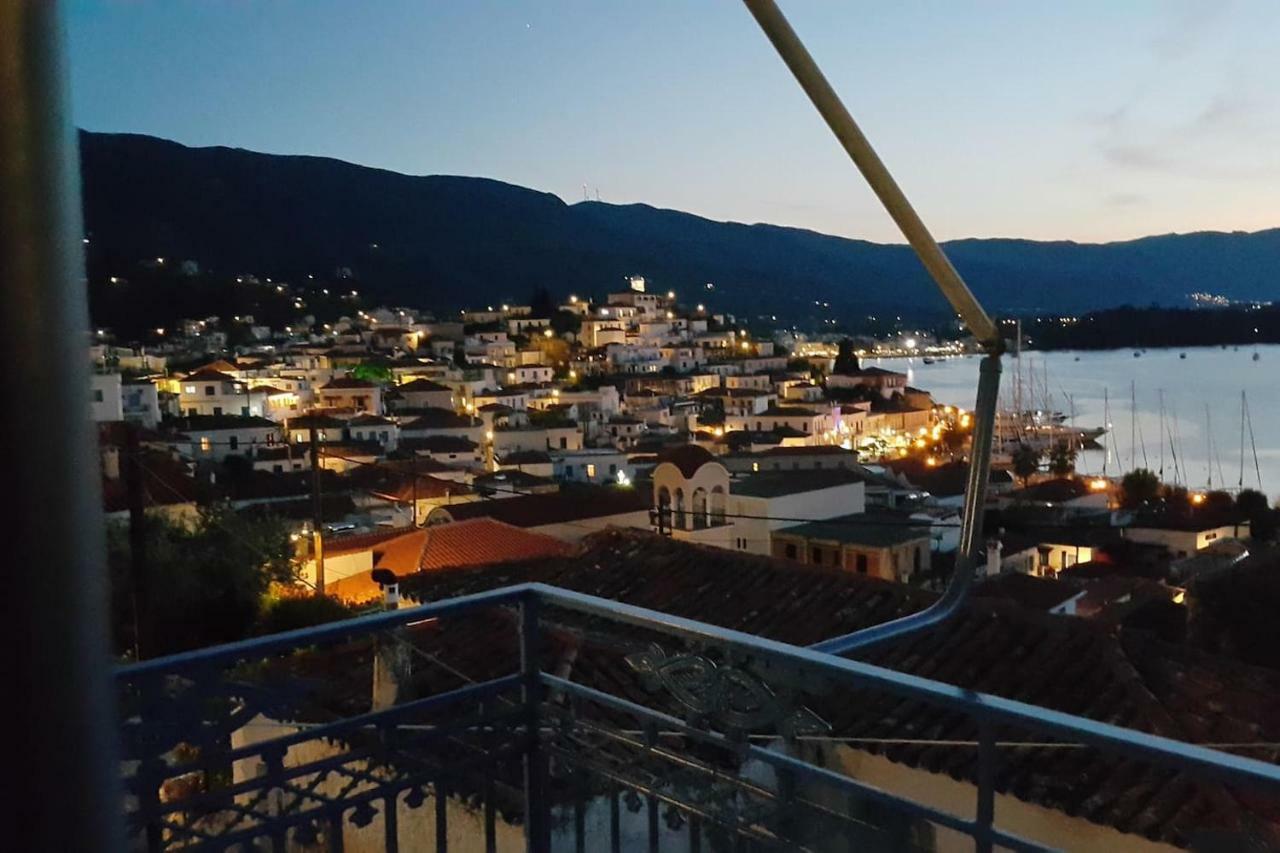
317 512
136 496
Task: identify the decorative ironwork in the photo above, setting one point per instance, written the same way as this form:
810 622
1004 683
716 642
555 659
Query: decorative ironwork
727 695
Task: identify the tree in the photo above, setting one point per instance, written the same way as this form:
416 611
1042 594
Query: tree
540 303
1138 487
1218 502
846 359
300 611
1263 520
1251 502
378 373
1026 461
204 580
1062 459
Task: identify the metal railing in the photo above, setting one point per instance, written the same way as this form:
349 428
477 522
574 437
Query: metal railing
535 717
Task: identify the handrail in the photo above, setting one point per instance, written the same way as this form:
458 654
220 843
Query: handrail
329 632
982 706
855 143
1159 749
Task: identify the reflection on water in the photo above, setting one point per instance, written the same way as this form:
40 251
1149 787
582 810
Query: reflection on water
1198 440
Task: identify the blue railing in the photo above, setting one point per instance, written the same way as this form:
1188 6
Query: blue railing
536 717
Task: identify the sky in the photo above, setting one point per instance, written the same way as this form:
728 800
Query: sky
1089 121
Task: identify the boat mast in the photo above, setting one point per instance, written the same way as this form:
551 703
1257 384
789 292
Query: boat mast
1160 391
1240 482
1208 443
1106 422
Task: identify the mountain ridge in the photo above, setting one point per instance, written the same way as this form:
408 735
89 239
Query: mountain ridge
445 241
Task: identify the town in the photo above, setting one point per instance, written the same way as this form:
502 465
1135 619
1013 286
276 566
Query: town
384 439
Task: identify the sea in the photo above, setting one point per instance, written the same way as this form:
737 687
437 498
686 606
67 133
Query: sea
1201 440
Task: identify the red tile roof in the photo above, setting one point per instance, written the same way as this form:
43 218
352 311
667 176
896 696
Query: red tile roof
1063 663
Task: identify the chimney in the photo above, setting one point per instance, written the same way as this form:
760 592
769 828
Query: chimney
111 463
993 557
391 663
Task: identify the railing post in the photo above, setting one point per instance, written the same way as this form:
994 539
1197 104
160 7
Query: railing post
537 803
986 811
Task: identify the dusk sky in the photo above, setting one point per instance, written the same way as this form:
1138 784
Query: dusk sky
1085 120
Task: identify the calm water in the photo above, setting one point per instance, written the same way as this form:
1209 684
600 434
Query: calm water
1202 390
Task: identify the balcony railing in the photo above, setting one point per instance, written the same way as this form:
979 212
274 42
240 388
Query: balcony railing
535 717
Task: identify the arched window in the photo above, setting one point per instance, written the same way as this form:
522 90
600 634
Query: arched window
664 508
717 505
700 517
682 521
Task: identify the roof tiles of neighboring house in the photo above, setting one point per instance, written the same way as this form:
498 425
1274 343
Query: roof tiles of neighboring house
862 529
459 544
439 444
347 383
1104 673
165 482
423 385
1058 490
370 420
423 487
772 484
567 505
205 375
432 418
210 423
319 421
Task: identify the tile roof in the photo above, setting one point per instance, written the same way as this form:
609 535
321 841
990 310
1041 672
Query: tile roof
866 529
347 383
772 484
569 504
688 458
423 385
1066 664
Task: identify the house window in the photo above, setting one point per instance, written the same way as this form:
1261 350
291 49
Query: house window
791 552
591 471
568 470
206 444
613 469
815 556
755 466
208 391
860 563
564 443
97 395
244 411
233 442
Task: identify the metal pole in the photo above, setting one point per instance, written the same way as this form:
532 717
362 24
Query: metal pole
317 511
967 556
837 117
833 111
67 797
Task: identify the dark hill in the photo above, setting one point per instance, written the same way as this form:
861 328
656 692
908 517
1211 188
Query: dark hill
448 241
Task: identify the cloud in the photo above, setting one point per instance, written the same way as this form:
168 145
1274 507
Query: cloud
1192 24
1126 199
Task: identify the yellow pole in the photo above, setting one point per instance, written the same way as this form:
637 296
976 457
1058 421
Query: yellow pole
855 144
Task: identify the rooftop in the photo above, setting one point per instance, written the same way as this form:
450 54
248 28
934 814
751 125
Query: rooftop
771 484
866 529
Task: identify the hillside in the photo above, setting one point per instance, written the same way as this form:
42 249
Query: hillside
451 241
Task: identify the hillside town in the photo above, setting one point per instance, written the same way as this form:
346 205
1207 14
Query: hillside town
534 426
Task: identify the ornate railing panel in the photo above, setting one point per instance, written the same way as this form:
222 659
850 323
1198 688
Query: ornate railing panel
540 718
